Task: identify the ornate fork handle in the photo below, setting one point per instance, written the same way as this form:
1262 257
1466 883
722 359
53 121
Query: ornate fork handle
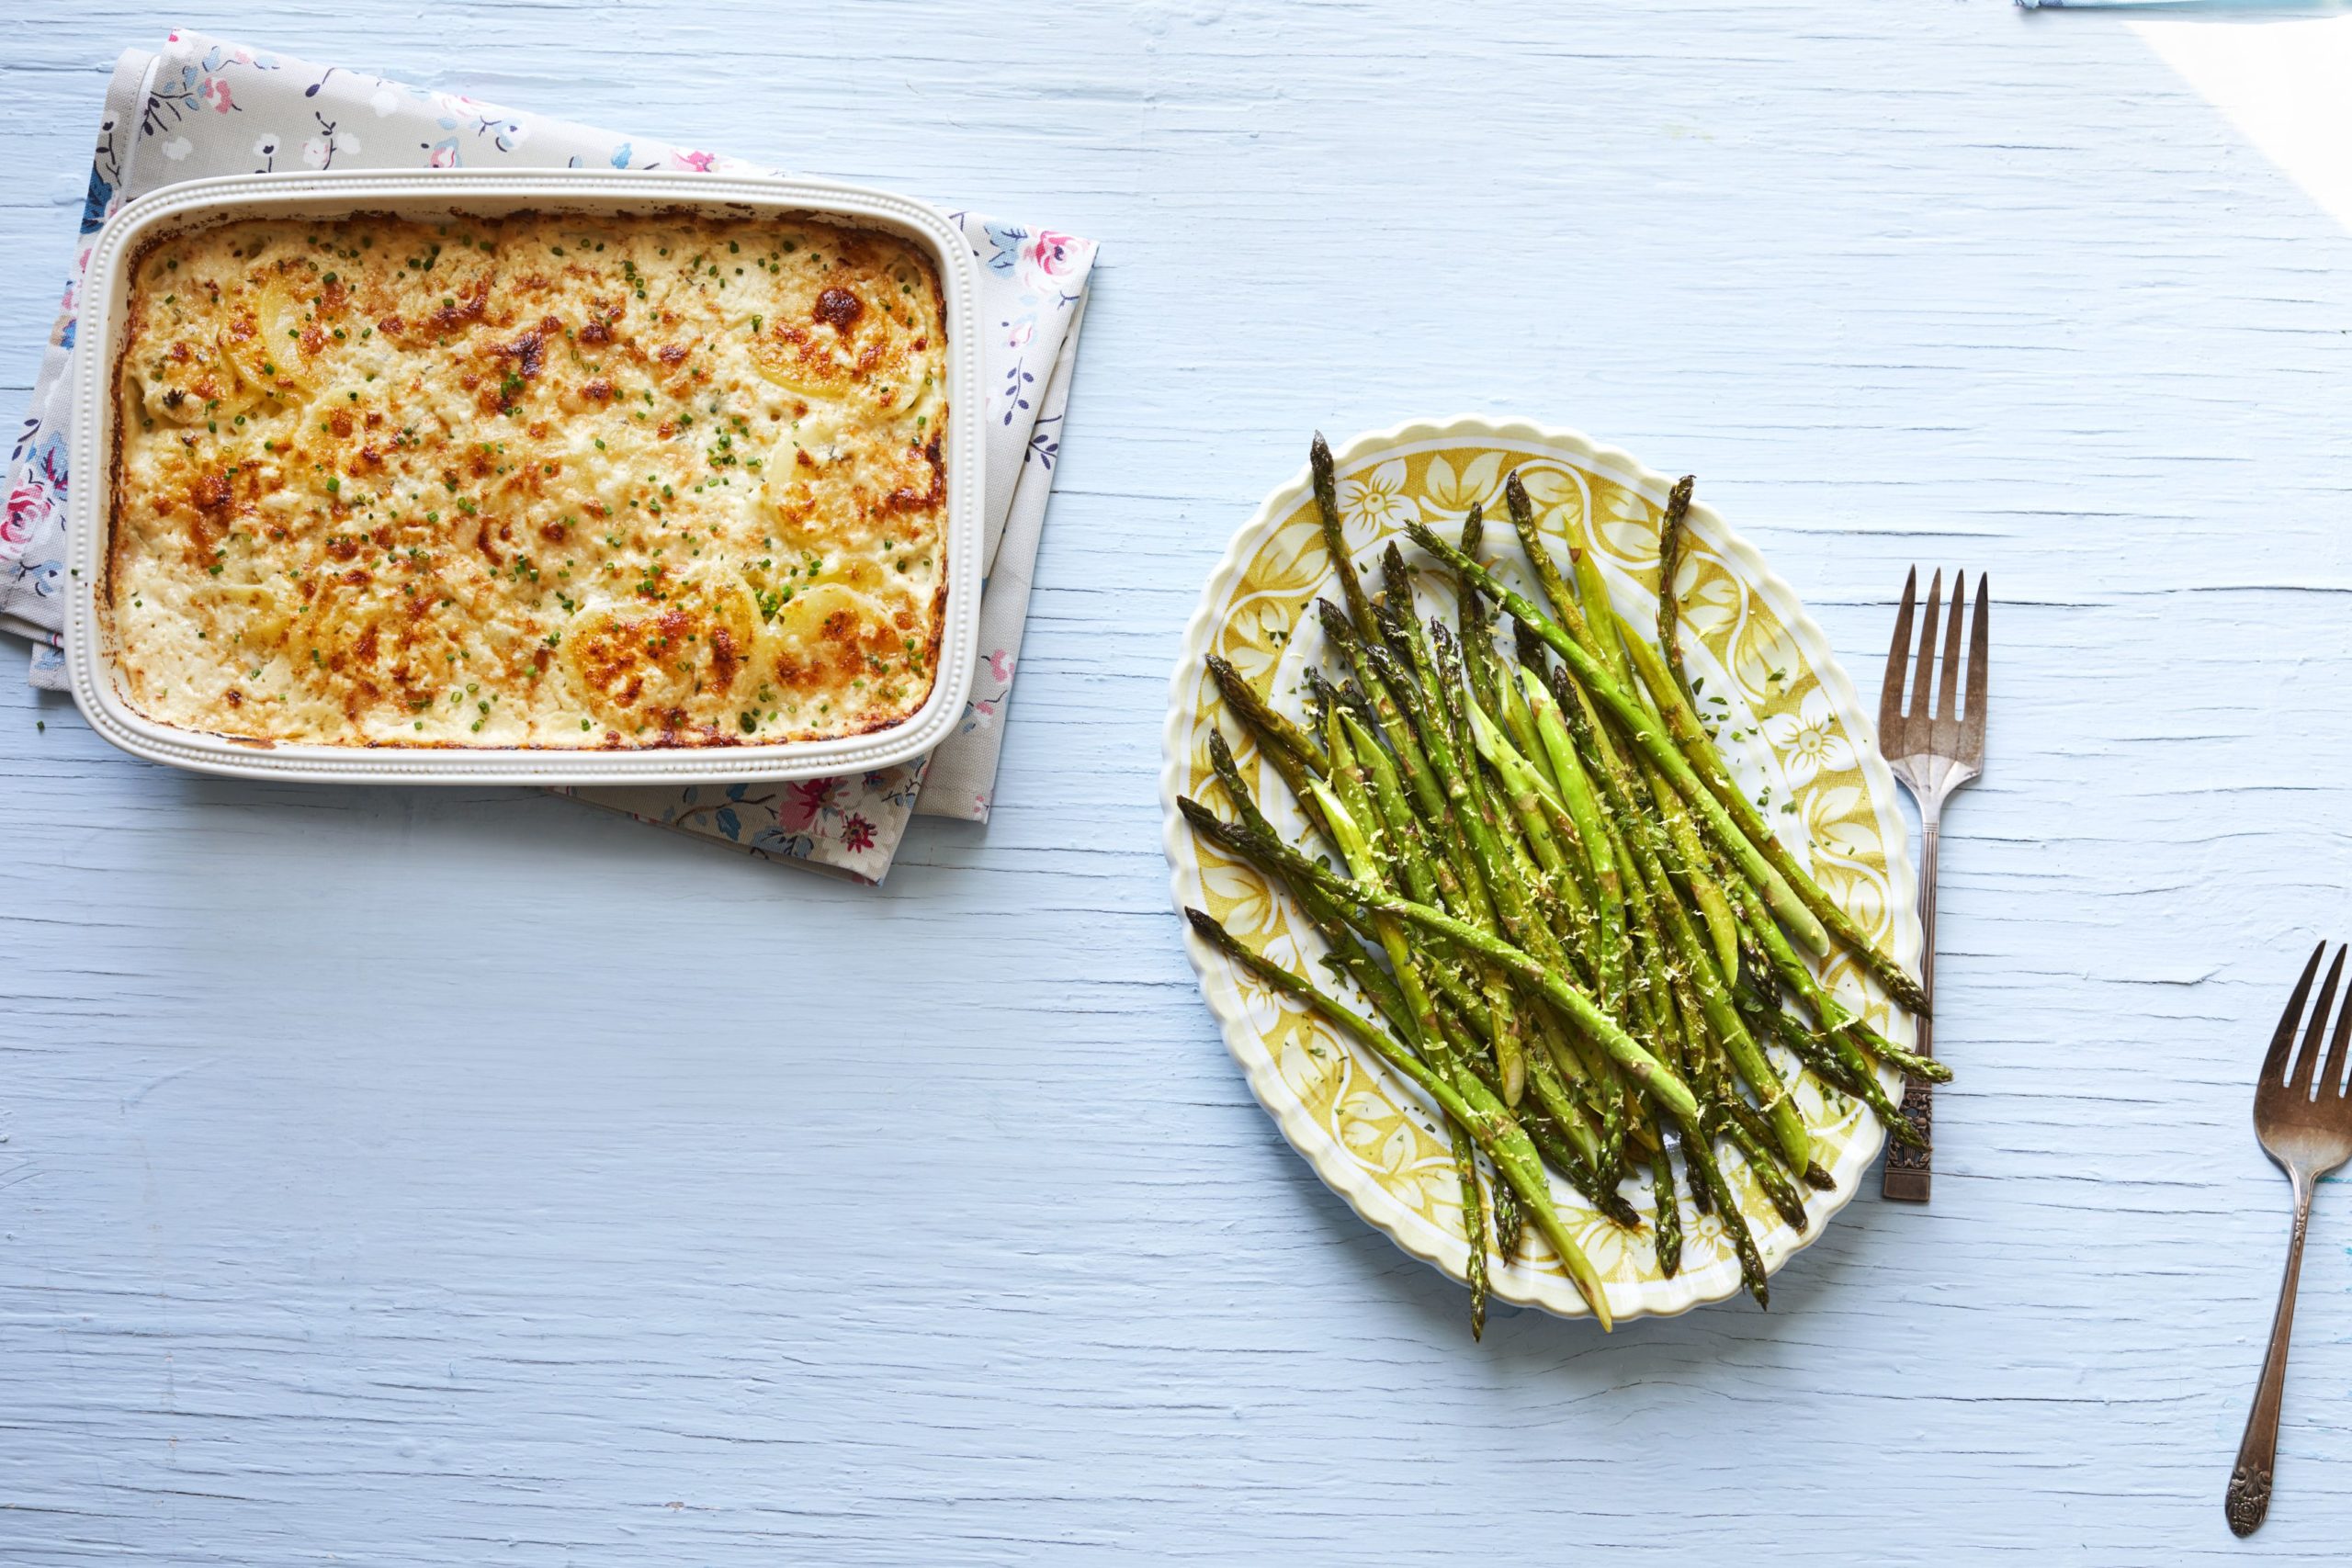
2249 1498
1909 1169
1931 780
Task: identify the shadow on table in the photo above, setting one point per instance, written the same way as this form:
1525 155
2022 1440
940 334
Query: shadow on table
1529 1343
520 828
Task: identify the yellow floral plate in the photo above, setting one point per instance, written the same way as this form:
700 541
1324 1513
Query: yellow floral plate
1797 739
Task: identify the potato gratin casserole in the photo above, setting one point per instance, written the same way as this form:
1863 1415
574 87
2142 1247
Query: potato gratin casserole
551 481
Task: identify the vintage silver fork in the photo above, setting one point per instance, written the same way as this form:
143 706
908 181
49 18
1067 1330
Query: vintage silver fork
1934 750
2305 1126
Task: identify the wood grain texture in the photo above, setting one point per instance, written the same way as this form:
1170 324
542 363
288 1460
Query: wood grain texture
409 1178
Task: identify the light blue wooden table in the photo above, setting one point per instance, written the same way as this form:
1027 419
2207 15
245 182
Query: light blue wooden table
430 1177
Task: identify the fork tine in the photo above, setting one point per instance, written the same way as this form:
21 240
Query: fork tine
2274 1063
1923 669
2307 1059
1972 732
1947 681
2331 1079
1898 664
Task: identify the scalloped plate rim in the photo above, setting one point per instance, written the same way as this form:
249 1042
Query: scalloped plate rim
1516 1283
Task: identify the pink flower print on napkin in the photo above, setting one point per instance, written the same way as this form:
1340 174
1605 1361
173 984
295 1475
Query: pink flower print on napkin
27 504
1000 665
35 497
1050 255
698 161
215 91
801 802
857 834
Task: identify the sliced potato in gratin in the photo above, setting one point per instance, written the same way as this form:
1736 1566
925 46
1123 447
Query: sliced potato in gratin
550 481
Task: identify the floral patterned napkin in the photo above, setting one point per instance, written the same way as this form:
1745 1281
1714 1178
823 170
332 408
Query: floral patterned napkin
201 107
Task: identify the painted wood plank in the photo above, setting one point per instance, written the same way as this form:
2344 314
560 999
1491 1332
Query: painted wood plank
417 1177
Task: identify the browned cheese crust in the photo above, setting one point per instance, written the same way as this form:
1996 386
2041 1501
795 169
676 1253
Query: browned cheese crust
543 481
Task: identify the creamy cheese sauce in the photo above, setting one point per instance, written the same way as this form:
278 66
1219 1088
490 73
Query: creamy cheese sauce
549 481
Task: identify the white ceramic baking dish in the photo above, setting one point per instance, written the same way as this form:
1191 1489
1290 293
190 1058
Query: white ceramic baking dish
435 194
